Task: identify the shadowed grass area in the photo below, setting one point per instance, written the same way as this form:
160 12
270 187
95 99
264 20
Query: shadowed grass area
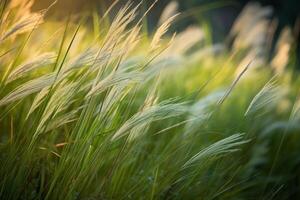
111 113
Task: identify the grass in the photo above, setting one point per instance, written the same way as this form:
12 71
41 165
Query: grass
113 114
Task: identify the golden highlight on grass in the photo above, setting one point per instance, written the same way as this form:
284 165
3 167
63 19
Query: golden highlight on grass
110 114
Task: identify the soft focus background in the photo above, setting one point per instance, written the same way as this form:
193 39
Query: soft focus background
219 15
117 106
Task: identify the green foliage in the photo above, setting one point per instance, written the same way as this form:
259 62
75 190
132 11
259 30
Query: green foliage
108 114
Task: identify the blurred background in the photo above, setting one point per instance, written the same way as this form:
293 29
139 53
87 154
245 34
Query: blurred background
219 16
217 42
220 13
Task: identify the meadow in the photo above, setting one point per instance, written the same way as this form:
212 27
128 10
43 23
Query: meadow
98 108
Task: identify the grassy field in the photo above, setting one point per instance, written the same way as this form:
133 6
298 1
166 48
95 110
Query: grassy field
104 110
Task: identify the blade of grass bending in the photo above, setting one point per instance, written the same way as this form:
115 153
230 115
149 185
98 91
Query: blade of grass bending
225 145
47 98
265 96
12 65
234 84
